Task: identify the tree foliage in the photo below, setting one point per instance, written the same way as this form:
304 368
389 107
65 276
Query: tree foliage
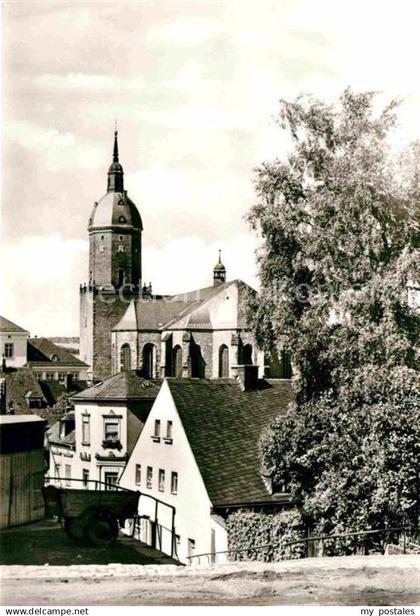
339 220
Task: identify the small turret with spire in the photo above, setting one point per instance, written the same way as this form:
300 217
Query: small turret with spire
115 172
219 272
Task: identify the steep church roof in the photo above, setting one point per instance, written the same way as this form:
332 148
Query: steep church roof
184 310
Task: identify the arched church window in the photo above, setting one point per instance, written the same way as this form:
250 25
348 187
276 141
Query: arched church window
125 357
177 361
149 361
247 354
223 361
198 366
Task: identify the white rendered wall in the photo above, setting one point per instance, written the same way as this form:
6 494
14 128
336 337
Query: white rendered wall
19 341
192 519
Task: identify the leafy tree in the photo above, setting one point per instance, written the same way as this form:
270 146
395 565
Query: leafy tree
339 222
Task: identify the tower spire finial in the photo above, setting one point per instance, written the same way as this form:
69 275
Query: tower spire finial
115 154
219 271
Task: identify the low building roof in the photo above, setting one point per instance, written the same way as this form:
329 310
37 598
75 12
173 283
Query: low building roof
223 425
13 419
124 386
43 351
69 440
9 326
19 382
54 390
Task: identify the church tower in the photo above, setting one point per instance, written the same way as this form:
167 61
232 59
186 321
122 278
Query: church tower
115 232
219 272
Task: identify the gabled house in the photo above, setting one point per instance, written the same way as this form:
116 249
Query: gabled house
198 452
108 419
13 340
50 362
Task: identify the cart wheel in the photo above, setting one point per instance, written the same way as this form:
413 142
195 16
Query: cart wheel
102 528
75 528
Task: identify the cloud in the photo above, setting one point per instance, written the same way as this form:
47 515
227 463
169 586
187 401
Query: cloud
185 32
57 150
187 263
42 284
82 82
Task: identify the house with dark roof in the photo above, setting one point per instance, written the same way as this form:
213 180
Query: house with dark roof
13 339
107 421
198 452
51 362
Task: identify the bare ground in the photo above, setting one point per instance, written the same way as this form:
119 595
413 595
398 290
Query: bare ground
371 580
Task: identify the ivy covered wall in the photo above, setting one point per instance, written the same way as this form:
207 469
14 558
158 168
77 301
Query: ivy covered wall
248 530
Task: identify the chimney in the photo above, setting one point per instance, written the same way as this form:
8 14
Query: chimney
247 375
69 382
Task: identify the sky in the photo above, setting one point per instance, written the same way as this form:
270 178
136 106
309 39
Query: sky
195 88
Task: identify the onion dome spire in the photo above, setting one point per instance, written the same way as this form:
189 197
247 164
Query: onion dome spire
115 172
115 154
219 272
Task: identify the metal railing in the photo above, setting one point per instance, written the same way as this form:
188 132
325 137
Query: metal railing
211 557
65 482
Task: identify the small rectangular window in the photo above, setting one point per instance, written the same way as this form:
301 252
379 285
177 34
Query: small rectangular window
86 430
85 476
9 349
58 471
50 376
169 429
161 486
138 474
112 429
157 427
149 477
174 483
